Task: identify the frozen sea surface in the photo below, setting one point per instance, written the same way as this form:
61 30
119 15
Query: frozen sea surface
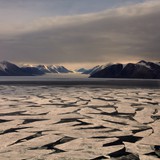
77 79
78 122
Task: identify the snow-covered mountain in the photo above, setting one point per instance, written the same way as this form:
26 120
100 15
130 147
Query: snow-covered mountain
142 69
92 70
59 69
43 68
10 69
53 69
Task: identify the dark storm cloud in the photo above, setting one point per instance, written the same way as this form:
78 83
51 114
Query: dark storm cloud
122 34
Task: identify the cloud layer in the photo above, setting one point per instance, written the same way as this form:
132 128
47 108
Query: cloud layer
121 34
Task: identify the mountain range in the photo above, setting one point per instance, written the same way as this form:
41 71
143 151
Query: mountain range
140 70
10 69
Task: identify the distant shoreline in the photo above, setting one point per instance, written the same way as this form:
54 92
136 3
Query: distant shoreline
147 83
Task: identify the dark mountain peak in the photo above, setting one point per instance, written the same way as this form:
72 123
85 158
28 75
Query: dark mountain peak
41 65
143 61
142 70
10 69
81 70
5 63
111 71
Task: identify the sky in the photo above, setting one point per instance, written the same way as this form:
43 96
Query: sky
79 33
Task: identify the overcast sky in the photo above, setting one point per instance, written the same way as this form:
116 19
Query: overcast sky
79 32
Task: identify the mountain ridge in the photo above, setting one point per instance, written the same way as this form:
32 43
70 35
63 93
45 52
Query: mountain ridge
139 70
10 69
